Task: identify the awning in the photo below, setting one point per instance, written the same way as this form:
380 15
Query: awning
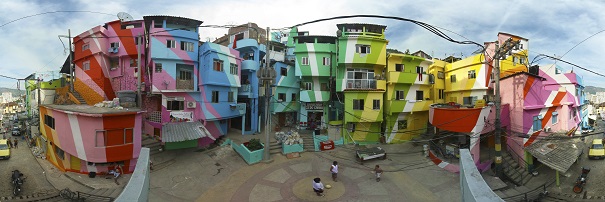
557 151
183 131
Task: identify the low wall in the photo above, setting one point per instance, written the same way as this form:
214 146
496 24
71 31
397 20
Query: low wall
137 188
474 188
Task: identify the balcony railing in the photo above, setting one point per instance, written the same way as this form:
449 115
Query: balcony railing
361 83
244 88
155 116
184 84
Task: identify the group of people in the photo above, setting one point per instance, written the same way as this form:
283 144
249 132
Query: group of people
13 143
318 186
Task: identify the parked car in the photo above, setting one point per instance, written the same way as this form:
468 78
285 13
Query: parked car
587 130
596 151
5 152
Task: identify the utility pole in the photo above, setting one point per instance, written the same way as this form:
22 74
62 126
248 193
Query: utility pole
71 68
139 97
266 75
501 52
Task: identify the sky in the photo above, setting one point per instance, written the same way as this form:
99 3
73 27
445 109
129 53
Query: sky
38 44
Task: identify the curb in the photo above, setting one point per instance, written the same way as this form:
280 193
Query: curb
72 179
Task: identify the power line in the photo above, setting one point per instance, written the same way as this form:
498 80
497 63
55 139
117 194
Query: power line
52 12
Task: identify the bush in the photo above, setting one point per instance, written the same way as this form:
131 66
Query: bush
254 144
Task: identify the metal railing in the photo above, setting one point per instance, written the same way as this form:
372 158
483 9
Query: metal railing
361 83
507 166
533 195
81 196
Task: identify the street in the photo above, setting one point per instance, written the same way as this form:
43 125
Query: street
23 160
595 185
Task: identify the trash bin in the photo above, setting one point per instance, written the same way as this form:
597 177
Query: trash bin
92 174
317 131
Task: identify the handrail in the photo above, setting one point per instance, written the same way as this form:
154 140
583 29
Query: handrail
536 192
515 155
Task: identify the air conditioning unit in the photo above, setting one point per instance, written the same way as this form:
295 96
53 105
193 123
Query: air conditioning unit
112 50
547 129
191 104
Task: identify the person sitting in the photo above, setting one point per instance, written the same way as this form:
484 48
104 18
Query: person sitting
116 173
318 187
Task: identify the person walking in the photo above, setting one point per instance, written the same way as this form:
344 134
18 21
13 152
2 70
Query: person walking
10 143
318 187
15 141
334 170
378 172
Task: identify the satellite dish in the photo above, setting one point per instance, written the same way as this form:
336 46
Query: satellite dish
339 33
125 17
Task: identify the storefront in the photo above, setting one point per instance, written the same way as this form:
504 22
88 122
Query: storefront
312 115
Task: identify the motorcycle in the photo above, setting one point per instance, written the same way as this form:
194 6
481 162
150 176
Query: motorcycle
581 181
17 181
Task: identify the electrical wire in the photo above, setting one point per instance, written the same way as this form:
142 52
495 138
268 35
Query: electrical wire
52 12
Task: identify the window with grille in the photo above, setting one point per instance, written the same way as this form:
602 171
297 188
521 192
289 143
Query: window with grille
85 47
453 78
233 68
307 86
555 117
114 45
86 66
419 69
305 61
441 93
215 95
187 46
363 49
376 104
440 75
419 95
358 104
399 95
231 97
402 124
49 121
326 61
174 104
185 75
217 65
471 74
158 67
399 67
170 43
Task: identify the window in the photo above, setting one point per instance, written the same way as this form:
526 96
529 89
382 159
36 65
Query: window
86 65
440 75
471 74
376 104
185 75
399 95
537 124
362 49
469 100
49 121
399 67
453 78
441 93
515 60
187 46
419 69
231 98
557 71
233 68
173 104
293 97
284 71
419 95
85 47
307 86
402 124
281 97
170 43
555 117
352 127
158 24
360 78
323 87
522 60
358 104
137 39
217 65
158 67
133 62
114 137
305 61
326 61
114 45
215 96
60 153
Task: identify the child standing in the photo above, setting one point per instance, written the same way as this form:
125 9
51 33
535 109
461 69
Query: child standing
334 170
378 172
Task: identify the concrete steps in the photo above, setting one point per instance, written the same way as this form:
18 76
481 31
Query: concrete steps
79 97
274 147
153 145
308 142
517 174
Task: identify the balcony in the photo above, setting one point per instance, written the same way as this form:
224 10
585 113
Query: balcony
244 88
407 78
475 120
184 84
366 84
250 65
240 107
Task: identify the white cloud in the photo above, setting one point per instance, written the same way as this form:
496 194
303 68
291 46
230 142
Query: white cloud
552 27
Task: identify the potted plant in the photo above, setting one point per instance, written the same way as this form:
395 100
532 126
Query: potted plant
253 145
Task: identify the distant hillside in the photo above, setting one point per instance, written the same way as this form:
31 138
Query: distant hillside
593 90
14 91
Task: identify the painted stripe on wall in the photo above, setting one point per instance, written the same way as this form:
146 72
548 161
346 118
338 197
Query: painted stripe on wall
77 136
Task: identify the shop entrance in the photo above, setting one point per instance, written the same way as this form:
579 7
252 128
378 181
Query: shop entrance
314 119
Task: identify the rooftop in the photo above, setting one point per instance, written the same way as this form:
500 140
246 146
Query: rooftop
88 109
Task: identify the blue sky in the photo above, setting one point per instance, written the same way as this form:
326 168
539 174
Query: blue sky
552 27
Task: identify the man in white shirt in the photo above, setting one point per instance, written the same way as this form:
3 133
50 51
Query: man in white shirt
318 187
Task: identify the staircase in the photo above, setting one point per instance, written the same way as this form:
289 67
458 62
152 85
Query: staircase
308 144
274 147
79 97
101 194
517 174
153 145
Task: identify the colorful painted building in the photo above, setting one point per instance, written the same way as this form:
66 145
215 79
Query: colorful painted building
84 138
360 79
407 97
219 84
315 65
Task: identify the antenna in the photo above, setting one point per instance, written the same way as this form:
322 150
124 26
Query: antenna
125 17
